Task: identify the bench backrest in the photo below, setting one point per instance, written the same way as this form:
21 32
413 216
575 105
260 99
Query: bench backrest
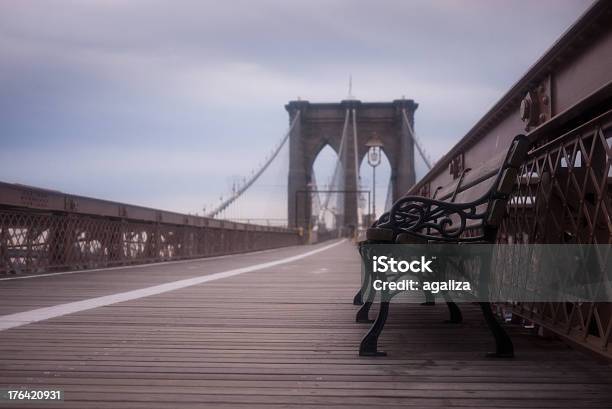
476 201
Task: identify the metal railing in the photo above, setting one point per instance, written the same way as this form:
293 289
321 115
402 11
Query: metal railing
563 195
564 103
42 230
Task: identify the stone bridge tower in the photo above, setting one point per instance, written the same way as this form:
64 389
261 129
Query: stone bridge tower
321 124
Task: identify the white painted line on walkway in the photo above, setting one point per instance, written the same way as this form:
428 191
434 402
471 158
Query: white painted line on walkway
41 314
160 263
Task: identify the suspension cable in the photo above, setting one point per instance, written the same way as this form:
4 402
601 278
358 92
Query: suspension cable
239 191
339 162
355 151
317 200
416 141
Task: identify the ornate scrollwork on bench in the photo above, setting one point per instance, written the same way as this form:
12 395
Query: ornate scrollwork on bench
447 221
416 215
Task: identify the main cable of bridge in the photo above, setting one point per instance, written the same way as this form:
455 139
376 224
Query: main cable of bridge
242 189
416 141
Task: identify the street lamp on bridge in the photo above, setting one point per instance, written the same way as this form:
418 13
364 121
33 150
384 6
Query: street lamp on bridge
374 158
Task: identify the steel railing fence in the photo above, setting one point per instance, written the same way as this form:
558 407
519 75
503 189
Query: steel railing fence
563 193
44 230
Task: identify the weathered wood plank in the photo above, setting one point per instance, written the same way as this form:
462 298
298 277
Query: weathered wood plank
282 337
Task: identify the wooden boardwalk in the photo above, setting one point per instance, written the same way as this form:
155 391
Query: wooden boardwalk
280 337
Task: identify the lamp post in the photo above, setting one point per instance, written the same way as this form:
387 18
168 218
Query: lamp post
374 157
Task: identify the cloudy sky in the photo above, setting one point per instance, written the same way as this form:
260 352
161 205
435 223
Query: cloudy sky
166 103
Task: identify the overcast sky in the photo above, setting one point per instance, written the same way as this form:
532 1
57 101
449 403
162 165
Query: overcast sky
165 103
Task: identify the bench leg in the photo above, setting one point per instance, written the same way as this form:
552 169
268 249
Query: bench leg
365 287
362 314
503 343
369 343
455 316
430 299
455 313
357 299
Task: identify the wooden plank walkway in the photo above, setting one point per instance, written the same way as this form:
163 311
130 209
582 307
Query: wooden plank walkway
281 337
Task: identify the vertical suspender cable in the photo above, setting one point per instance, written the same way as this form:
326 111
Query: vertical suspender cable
338 163
356 163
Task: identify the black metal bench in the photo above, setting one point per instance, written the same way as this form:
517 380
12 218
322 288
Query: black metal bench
463 215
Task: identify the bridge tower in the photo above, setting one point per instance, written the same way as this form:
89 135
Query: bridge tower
321 124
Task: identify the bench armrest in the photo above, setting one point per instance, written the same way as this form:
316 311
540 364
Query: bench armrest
432 219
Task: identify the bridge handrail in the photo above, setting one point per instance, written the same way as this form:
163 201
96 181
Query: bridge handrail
564 104
32 198
46 230
574 70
